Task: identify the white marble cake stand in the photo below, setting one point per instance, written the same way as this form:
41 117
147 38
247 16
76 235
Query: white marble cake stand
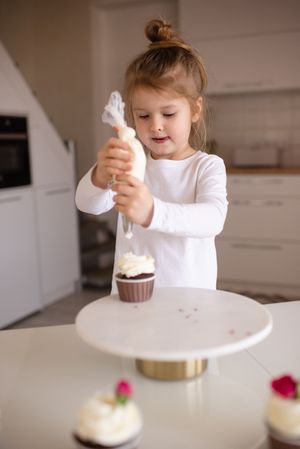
176 326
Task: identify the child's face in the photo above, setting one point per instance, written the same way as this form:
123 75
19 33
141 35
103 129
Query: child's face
163 123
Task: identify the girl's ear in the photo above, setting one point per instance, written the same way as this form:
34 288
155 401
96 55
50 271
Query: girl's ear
197 109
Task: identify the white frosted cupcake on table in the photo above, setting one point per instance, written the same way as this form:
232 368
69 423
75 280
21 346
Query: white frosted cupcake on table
135 279
109 420
283 413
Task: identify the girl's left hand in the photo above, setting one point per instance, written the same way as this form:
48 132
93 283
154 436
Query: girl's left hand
133 199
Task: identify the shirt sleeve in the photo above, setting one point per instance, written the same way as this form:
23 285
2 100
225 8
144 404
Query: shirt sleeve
206 216
92 199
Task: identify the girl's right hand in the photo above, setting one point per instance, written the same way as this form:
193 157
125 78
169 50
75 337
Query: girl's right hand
114 158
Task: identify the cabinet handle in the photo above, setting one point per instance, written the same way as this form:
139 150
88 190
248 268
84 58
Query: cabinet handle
245 84
256 203
265 246
240 202
273 203
11 199
257 180
241 181
57 191
274 181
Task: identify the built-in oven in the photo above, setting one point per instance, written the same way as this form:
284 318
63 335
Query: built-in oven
14 151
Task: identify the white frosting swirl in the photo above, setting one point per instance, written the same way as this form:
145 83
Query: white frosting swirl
283 415
104 421
131 265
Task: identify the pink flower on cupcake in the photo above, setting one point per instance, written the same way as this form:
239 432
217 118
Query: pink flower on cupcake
286 386
124 391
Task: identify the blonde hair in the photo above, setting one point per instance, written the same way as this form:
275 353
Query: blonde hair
169 63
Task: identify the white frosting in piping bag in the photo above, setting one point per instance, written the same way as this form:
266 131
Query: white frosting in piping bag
139 158
114 115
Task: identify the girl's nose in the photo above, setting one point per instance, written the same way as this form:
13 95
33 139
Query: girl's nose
156 125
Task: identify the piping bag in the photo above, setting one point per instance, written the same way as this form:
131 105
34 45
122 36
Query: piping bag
114 115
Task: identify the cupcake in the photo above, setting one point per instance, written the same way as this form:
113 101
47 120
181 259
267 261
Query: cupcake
135 279
109 420
283 413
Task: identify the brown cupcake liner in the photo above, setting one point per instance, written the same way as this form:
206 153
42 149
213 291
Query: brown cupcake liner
131 444
277 441
135 290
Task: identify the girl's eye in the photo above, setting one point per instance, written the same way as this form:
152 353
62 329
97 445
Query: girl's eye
169 114
144 116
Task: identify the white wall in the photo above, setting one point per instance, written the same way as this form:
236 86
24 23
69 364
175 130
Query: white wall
247 120
52 48
117 38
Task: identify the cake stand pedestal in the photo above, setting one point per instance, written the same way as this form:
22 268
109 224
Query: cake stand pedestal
172 335
186 369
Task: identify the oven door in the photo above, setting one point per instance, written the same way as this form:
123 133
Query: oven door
14 161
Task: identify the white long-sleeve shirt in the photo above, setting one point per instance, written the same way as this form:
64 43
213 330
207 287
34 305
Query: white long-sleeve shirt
190 208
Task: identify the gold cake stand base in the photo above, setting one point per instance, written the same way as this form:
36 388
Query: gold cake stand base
171 370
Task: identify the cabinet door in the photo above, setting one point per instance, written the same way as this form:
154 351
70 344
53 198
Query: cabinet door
250 63
263 207
264 185
19 281
58 241
261 262
210 19
263 218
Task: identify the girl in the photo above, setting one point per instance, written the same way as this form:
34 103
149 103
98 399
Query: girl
181 206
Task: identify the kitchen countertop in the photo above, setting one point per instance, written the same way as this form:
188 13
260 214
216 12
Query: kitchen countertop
263 170
47 372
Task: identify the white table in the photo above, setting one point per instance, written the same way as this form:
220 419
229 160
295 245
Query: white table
46 373
281 350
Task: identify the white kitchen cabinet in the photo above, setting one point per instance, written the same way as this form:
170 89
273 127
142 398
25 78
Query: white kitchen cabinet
259 248
212 19
259 262
58 241
46 218
19 274
271 218
269 185
250 63
246 46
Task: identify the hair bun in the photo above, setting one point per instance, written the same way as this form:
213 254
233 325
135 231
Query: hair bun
159 30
